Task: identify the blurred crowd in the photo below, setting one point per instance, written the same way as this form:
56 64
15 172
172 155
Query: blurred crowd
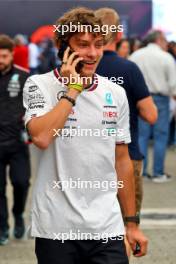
125 47
38 58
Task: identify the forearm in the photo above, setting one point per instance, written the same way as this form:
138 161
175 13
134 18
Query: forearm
42 129
150 116
147 110
126 195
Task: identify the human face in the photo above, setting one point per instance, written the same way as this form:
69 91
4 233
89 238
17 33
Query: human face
6 59
90 48
124 49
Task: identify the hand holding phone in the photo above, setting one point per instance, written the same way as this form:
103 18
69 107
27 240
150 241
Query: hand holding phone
61 54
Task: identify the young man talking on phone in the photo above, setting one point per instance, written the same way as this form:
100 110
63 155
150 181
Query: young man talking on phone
71 223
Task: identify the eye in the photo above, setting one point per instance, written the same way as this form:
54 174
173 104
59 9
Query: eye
99 45
83 45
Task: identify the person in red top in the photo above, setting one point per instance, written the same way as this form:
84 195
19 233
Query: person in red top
21 52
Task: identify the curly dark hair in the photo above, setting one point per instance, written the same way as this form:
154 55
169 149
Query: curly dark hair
77 16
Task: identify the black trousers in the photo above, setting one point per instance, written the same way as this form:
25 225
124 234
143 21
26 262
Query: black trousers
50 251
17 157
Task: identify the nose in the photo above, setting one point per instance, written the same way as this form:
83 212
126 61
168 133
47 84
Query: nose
92 51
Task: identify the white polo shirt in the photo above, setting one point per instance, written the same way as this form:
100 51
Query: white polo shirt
76 187
158 68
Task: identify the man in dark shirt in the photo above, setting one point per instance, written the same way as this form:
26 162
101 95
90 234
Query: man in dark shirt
127 74
13 150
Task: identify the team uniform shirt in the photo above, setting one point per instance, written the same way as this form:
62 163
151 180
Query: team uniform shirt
11 105
129 75
87 159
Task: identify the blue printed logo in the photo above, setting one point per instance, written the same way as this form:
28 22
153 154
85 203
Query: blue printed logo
108 98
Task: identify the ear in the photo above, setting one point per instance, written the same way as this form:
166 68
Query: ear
119 36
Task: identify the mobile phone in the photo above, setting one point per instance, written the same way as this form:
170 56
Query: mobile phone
137 249
62 49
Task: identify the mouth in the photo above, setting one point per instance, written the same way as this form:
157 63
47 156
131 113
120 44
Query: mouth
89 62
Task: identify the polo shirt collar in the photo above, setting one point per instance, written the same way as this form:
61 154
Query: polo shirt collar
110 52
155 46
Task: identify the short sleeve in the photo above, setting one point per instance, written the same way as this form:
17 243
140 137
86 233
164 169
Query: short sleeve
35 101
140 89
123 125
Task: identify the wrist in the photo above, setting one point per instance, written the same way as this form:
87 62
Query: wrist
135 219
131 225
76 86
73 93
69 99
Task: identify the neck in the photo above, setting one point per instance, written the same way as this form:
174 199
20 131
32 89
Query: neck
110 46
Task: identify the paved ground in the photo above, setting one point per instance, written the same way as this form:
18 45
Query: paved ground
159 224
